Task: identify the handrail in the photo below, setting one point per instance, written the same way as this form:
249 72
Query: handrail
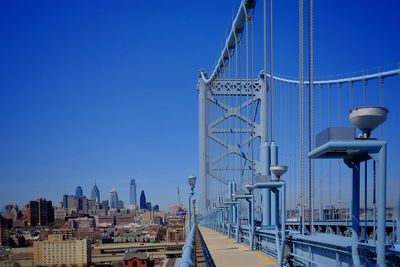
187 259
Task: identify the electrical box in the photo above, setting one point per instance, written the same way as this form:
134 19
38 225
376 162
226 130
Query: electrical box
335 133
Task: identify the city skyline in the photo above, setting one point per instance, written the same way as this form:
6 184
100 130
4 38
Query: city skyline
78 83
89 195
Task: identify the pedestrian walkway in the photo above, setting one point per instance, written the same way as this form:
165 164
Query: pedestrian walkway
227 253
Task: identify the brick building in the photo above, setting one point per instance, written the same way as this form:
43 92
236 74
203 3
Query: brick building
133 258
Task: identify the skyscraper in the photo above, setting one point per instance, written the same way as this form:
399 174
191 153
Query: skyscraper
133 192
4 226
70 202
148 206
79 191
40 212
143 202
96 194
114 199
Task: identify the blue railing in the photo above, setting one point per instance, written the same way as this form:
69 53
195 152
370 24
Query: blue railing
188 249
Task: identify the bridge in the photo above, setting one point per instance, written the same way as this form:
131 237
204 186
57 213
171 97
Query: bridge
260 206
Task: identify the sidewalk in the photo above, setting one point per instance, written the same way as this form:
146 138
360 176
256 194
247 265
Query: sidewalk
227 253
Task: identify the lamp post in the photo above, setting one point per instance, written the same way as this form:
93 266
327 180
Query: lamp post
192 183
194 211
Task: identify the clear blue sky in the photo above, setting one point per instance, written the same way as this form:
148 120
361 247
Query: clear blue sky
105 90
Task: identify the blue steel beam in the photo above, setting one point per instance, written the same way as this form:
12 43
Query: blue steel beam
354 152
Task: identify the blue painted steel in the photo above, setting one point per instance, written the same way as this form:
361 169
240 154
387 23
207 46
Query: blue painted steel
353 152
187 259
266 193
246 6
190 210
274 162
381 249
355 212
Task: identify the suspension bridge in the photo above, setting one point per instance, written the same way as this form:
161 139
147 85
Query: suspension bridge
321 198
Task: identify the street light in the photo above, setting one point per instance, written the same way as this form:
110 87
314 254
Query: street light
192 183
194 211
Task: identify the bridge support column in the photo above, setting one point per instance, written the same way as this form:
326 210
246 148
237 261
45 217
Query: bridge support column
381 227
251 223
203 132
275 198
266 193
355 209
230 208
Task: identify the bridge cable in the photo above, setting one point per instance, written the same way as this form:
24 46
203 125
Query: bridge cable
365 176
247 91
265 67
252 102
236 100
365 199
320 162
339 161
240 56
330 161
271 62
351 95
381 99
301 106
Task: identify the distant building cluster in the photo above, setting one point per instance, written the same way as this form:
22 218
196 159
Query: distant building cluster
40 234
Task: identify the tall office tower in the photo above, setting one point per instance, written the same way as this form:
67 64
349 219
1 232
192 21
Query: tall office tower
143 201
71 202
96 194
105 205
148 206
121 205
79 191
32 215
133 192
40 212
4 227
114 199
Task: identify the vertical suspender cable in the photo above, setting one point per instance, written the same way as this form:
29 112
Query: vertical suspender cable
330 161
351 95
339 161
381 99
252 105
320 162
229 119
265 65
365 92
365 176
290 148
240 112
236 105
247 88
271 62
248 97
301 85
311 112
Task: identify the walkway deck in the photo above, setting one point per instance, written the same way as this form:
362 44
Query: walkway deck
227 253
